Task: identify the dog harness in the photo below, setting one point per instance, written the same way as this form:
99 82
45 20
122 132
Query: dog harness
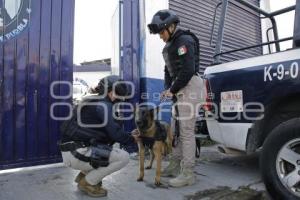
160 135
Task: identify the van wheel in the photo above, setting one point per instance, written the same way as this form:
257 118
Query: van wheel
280 161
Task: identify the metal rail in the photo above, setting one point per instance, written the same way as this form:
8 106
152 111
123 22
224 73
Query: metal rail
270 15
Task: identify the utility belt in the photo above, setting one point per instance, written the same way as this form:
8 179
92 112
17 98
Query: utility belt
99 156
71 146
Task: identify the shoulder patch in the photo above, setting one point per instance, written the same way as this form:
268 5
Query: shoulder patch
182 50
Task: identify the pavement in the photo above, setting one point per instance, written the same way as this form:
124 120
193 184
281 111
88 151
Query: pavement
219 176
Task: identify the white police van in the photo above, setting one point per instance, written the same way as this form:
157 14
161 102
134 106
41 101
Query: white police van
254 104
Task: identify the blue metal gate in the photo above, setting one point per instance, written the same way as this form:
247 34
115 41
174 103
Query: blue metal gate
130 48
36 49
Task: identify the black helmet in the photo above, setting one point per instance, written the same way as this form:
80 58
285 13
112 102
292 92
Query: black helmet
162 20
113 82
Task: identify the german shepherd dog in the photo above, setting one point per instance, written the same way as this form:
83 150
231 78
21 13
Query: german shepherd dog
156 135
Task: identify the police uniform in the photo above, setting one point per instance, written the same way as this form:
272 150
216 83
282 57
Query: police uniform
182 78
181 55
93 152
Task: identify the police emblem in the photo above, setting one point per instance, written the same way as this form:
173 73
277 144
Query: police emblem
182 50
14 18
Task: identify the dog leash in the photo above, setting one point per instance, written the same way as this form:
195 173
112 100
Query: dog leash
177 126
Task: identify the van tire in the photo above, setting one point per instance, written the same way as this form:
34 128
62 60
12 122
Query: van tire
286 133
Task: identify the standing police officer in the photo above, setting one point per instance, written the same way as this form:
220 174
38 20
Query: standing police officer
184 85
87 138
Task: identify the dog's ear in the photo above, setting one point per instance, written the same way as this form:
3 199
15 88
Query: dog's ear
151 112
156 111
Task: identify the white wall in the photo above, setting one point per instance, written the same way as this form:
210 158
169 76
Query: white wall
154 63
115 27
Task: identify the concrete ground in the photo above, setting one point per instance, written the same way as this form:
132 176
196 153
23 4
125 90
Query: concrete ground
219 176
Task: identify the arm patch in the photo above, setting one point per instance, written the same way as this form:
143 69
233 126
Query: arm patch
182 50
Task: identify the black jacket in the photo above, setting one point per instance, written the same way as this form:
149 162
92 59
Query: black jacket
100 112
181 55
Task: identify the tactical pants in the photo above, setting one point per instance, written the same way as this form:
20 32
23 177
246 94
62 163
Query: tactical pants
117 160
189 100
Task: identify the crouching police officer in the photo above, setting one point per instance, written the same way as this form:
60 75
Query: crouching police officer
88 136
184 85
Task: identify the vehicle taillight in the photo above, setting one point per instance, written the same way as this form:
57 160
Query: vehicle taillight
208 97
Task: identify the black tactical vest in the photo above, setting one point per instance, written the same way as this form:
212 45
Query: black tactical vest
170 52
71 131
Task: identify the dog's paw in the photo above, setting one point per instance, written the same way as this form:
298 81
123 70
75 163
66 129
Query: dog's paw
148 167
139 179
157 182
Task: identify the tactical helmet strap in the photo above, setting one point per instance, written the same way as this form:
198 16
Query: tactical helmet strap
171 34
